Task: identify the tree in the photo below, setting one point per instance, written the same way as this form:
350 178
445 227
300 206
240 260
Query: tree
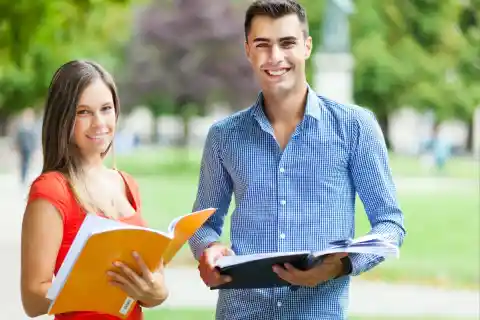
37 36
469 63
186 55
409 53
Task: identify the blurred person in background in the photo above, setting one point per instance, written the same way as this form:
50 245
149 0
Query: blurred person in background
25 142
78 129
436 150
294 161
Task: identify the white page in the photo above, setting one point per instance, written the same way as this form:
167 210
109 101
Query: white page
227 261
385 251
171 226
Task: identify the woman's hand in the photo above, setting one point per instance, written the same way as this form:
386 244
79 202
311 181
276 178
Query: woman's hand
147 288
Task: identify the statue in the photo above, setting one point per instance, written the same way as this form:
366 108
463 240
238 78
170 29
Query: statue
336 27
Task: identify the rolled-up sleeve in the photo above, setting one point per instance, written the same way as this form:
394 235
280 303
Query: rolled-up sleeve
214 190
374 184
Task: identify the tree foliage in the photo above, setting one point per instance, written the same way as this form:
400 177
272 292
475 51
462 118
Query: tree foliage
420 54
36 37
188 54
190 51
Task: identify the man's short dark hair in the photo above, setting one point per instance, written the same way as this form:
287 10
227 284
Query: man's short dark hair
274 9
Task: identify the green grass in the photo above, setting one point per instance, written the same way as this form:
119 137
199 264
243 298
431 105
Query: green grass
441 246
186 162
458 167
192 314
442 224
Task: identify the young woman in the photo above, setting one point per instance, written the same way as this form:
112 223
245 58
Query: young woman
78 130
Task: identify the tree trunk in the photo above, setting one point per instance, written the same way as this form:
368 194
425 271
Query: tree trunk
184 108
186 128
384 125
155 137
469 144
3 124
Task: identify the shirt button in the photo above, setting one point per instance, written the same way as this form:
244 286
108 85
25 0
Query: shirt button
282 170
283 202
279 303
282 236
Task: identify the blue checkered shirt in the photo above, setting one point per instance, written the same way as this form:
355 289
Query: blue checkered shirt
300 198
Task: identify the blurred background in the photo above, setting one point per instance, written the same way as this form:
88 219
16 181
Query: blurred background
180 66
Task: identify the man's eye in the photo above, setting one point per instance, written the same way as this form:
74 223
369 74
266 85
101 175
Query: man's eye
288 44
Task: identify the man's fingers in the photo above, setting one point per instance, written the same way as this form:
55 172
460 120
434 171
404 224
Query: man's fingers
212 277
291 269
228 252
334 256
284 274
221 278
212 258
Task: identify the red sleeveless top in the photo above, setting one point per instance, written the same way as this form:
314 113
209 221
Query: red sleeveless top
54 187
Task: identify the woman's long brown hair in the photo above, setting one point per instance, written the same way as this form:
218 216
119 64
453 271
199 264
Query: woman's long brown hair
59 150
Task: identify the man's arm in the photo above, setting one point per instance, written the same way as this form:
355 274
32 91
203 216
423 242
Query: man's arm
214 190
373 182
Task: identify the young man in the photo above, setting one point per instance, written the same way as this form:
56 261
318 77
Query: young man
294 162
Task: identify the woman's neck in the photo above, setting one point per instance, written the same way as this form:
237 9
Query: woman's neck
92 164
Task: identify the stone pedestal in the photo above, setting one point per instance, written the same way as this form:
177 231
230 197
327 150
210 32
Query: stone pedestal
334 76
476 133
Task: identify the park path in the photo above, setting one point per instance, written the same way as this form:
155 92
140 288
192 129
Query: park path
187 290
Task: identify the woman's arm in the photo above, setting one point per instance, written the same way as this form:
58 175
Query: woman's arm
42 232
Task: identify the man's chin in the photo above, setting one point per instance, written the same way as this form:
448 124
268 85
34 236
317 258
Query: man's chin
277 88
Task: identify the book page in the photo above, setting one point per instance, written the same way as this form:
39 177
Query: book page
377 247
183 229
93 224
228 261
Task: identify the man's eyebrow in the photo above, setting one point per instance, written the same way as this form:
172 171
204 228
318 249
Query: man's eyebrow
261 40
289 38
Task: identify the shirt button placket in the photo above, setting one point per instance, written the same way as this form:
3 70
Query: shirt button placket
283 202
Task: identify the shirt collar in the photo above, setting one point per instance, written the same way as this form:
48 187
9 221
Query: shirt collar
312 106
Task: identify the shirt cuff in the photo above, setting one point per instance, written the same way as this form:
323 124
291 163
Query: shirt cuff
201 240
363 262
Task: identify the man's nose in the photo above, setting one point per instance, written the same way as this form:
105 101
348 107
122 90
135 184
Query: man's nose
275 54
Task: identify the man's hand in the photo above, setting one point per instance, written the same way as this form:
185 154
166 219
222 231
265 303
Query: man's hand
329 268
210 276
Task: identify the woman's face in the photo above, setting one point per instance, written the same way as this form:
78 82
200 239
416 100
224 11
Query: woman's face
95 120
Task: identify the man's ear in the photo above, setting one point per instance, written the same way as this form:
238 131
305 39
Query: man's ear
247 49
308 47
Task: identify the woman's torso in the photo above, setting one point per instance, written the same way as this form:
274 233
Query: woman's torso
73 218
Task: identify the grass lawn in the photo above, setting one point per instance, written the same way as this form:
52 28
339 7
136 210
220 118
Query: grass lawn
179 161
441 246
191 314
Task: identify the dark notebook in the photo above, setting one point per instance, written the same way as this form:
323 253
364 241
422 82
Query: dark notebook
256 270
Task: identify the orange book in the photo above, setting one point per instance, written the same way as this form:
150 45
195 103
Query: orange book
82 284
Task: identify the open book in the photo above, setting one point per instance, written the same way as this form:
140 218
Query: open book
81 283
255 270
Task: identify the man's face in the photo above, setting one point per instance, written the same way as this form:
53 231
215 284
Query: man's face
277 50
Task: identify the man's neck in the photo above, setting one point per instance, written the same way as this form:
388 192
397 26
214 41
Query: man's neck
287 109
